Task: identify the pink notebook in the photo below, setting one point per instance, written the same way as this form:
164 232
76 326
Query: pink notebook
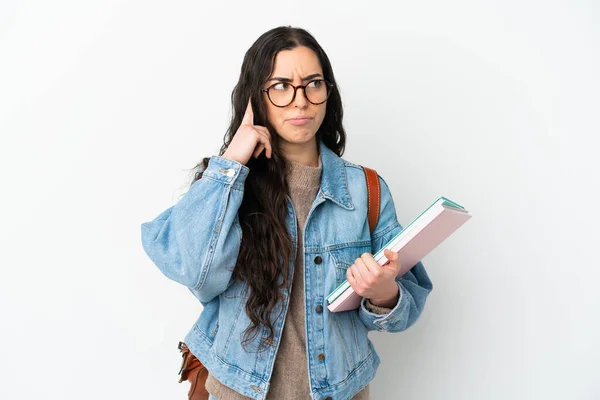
412 244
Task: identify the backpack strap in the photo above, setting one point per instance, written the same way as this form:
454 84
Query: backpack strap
373 191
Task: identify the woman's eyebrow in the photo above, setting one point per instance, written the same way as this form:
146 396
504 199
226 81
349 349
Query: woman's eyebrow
311 76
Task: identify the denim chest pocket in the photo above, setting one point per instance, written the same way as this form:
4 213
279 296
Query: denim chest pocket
344 256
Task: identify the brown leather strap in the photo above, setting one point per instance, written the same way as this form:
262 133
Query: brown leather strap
194 371
373 191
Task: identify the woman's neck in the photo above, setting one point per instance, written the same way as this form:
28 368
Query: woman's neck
302 153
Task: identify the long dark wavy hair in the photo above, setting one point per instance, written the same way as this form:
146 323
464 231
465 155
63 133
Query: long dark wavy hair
266 248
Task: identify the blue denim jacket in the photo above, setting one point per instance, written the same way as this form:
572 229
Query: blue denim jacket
196 243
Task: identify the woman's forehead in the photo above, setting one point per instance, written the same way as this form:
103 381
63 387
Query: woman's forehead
296 63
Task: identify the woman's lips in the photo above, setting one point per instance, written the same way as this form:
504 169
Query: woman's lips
299 120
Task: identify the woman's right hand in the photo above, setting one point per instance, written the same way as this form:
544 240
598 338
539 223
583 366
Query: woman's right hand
249 140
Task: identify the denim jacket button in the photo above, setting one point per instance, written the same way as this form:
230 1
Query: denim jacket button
256 388
318 260
321 357
328 398
229 172
319 309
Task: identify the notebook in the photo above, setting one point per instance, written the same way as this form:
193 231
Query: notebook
413 243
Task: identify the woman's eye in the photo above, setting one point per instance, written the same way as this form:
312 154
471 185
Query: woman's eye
281 86
315 84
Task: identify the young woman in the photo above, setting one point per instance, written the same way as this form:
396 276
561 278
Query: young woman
271 226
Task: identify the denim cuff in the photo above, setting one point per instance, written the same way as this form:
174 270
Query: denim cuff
227 171
384 321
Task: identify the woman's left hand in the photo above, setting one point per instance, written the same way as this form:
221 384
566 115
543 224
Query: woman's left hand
373 281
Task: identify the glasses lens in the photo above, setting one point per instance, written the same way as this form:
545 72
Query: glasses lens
317 91
281 94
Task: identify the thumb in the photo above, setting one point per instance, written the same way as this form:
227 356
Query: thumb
392 256
249 114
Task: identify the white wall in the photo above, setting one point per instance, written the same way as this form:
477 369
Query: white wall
105 104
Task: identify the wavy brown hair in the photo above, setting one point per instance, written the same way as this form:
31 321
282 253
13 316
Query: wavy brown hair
266 249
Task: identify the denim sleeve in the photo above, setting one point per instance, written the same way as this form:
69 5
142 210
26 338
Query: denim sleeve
196 242
414 286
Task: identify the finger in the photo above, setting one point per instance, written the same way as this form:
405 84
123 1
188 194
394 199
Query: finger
269 148
258 150
351 280
263 129
371 265
393 258
391 255
248 118
266 143
354 282
360 271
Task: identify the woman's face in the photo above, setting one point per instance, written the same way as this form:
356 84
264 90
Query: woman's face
299 121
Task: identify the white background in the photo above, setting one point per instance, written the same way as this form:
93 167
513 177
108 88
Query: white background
105 106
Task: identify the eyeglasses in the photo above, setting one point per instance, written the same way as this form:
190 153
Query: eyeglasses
282 94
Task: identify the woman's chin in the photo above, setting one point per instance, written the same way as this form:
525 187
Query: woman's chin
298 137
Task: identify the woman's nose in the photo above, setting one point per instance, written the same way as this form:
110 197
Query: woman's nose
300 100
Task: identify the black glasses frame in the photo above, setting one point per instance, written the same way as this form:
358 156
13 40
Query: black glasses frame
329 87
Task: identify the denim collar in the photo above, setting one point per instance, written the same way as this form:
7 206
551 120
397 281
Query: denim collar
334 181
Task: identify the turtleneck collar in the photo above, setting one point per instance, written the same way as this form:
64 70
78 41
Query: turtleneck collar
300 175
